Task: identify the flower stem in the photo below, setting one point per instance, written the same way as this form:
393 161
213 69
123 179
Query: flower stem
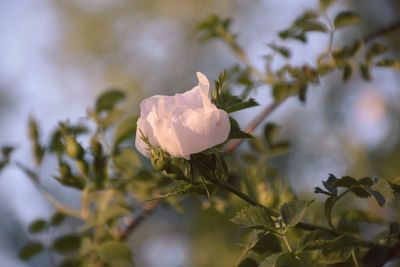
240 194
287 243
301 225
329 214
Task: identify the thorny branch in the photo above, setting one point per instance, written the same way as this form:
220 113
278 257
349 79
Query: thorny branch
133 223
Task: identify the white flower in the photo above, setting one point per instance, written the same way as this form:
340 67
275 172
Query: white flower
182 124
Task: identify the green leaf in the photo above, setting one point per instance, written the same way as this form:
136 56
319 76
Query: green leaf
236 132
231 103
111 213
254 217
346 18
389 63
107 100
293 211
72 262
86 246
330 185
37 149
37 226
395 184
347 72
360 192
125 130
355 48
380 199
267 243
290 259
279 148
57 218
6 151
319 190
313 26
248 262
324 4
67 243
30 249
346 181
270 260
313 240
242 105
365 72
271 133
366 181
115 253
324 69
282 50
335 257
306 16
375 50
344 241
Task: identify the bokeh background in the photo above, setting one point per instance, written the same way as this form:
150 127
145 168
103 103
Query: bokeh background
57 56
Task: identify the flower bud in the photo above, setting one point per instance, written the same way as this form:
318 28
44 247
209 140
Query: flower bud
183 124
96 147
159 159
64 169
82 167
73 148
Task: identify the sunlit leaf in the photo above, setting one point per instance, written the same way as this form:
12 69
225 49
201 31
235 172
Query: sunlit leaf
253 217
108 100
57 218
375 50
125 130
30 250
37 226
293 211
389 63
66 243
346 18
365 72
282 50
115 253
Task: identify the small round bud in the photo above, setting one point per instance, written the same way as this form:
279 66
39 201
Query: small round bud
95 146
65 170
82 167
73 148
159 159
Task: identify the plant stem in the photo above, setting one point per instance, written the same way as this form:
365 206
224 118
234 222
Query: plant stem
245 197
301 225
354 257
329 214
382 31
287 243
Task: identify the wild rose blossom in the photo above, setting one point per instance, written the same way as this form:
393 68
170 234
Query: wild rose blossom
182 124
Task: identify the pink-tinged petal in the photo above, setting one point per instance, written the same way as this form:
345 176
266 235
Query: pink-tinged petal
200 130
183 124
164 135
204 84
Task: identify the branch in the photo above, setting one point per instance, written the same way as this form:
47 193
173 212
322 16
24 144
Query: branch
234 144
133 223
383 31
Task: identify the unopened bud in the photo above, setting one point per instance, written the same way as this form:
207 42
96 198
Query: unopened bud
159 159
73 148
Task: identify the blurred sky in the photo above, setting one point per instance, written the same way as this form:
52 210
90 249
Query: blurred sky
56 56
